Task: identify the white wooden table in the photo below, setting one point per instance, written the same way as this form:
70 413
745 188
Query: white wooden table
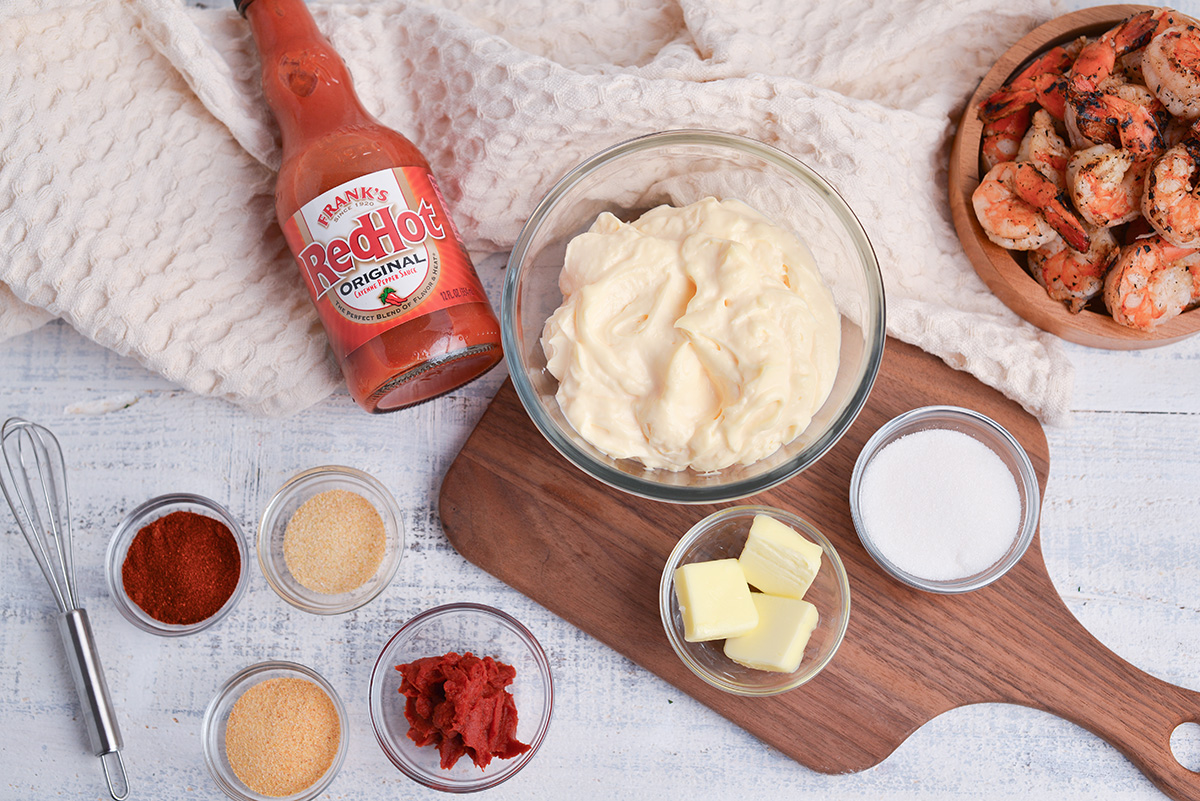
1120 528
1120 533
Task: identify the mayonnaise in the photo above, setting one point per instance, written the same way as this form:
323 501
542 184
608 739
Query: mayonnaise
697 337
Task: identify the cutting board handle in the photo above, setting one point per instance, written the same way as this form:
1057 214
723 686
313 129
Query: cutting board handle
1127 707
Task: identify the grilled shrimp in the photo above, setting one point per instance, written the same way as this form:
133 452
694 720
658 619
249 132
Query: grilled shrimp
1041 82
1171 202
1105 184
1070 276
1021 209
1098 58
1002 137
1098 117
1008 220
1045 149
1151 282
1171 65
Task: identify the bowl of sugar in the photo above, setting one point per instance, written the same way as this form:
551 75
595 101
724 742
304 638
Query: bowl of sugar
944 499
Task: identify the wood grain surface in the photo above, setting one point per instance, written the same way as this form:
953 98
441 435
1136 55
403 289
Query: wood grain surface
998 267
511 505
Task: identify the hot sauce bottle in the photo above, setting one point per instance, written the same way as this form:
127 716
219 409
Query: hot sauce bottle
406 315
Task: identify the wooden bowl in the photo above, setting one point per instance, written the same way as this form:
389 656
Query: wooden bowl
998 268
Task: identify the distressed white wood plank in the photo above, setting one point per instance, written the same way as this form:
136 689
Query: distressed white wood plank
1164 379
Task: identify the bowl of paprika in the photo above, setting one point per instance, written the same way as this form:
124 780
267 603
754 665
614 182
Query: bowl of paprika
177 564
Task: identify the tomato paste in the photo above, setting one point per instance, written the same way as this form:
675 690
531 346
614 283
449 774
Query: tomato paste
460 704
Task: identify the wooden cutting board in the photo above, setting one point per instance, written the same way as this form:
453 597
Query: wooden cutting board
593 555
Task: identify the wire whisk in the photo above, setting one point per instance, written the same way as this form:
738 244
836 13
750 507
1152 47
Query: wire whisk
34 482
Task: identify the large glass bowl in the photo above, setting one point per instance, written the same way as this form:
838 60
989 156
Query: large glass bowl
680 167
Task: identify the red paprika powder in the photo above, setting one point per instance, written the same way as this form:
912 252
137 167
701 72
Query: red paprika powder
182 568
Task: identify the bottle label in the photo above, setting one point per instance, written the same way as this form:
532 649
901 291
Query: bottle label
378 251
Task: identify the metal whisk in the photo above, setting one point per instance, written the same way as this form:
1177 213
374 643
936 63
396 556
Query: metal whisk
33 479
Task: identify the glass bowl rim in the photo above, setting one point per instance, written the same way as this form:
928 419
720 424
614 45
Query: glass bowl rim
1026 475
298 481
128 528
208 723
666 597
539 656
875 326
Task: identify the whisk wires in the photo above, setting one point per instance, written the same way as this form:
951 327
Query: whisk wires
34 484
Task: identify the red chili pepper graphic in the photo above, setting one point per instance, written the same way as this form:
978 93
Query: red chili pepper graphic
389 295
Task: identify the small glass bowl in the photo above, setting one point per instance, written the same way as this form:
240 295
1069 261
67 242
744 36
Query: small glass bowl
216 718
680 167
721 536
284 504
984 430
143 516
483 631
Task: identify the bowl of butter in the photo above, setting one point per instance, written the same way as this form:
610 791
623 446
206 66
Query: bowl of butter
693 317
754 600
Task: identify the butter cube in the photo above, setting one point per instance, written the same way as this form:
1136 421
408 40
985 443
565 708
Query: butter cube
777 642
714 600
777 560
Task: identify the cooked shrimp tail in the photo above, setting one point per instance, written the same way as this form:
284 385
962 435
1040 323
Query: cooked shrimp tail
1097 59
1042 81
1048 91
1002 137
1052 96
1040 192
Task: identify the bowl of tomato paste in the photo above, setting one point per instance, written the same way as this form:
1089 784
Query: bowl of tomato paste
461 697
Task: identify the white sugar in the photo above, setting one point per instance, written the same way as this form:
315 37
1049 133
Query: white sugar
940 505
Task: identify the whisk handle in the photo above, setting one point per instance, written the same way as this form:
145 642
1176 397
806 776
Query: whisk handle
103 733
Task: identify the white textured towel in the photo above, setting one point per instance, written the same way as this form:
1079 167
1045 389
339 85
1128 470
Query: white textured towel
137 156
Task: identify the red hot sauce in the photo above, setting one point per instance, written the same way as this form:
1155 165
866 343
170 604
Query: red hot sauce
405 312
